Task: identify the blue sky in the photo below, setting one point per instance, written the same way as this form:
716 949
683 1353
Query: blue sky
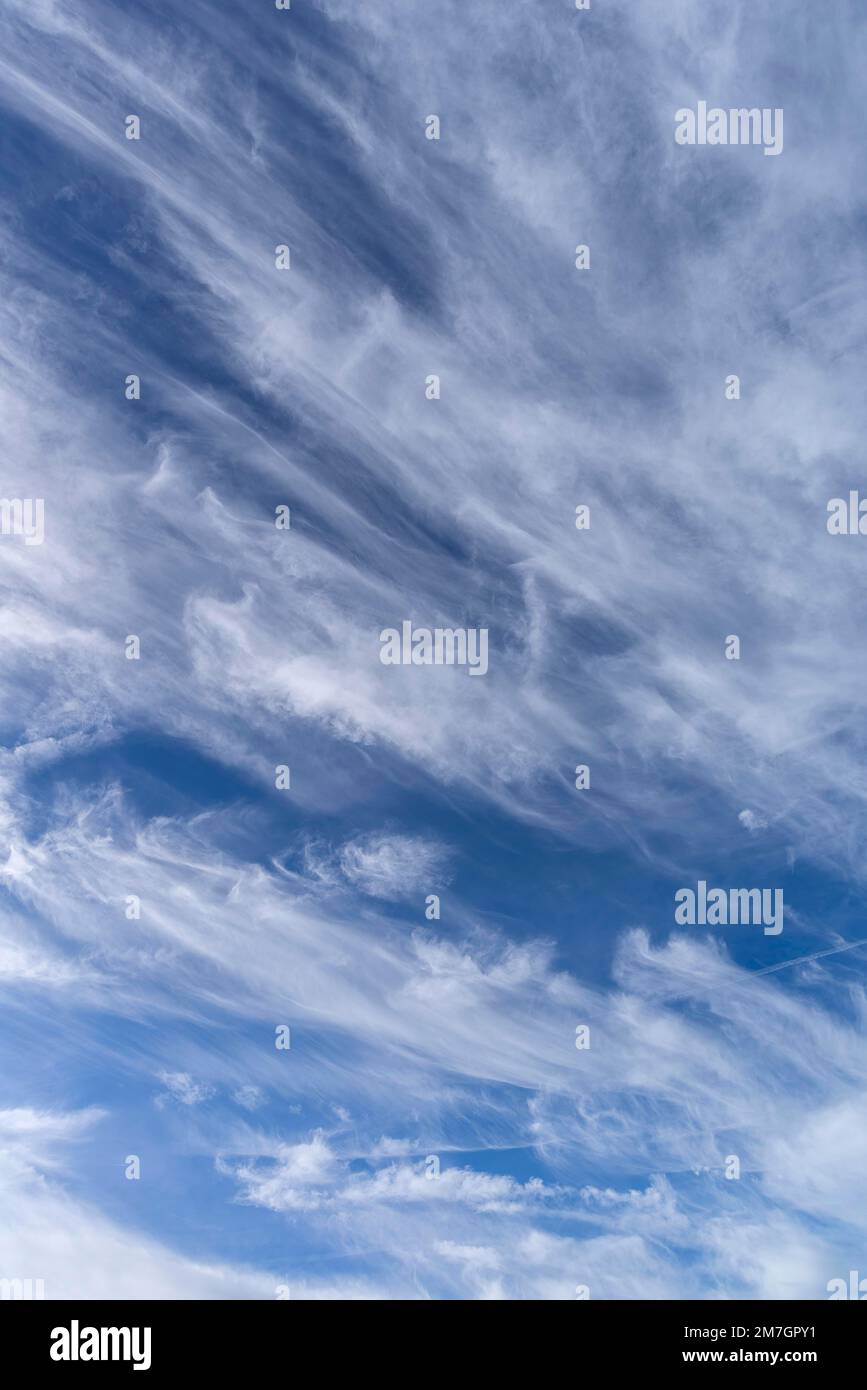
560 1168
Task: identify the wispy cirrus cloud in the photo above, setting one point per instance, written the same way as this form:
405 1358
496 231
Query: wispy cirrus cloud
152 781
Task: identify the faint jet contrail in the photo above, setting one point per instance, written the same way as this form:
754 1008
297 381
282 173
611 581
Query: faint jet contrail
801 960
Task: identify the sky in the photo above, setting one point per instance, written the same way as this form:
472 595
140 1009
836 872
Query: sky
552 1089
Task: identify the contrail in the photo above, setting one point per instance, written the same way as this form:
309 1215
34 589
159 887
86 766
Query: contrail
801 960
746 975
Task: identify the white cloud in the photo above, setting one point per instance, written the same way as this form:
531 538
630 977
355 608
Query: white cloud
295 1182
49 1234
392 1148
609 640
250 1097
393 866
184 1089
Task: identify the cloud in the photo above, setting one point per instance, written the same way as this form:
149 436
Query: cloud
250 1097
260 647
182 1088
393 866
466 1041
295 1181
50 1234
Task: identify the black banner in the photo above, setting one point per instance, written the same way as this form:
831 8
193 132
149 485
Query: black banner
158 1338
